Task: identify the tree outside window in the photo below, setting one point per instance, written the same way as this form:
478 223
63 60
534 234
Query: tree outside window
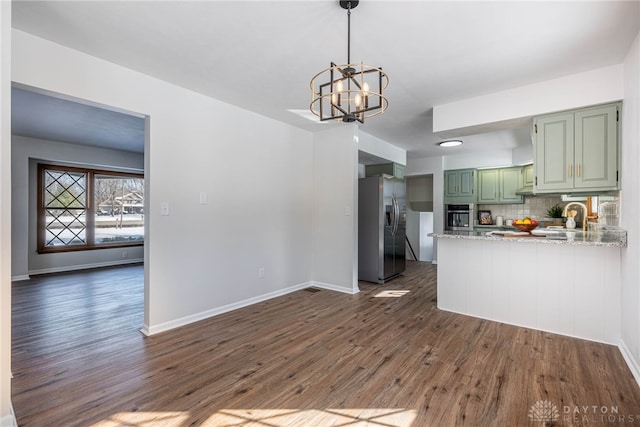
88 209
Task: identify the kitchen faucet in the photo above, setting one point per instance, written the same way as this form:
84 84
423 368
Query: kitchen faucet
584 213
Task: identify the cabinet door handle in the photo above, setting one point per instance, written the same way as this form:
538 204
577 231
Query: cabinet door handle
578 169
570 170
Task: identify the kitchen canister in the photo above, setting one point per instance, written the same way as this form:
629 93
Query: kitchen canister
499 221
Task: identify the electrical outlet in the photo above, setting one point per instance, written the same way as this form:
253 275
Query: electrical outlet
261 273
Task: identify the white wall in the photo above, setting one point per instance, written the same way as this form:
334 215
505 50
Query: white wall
483 159
522 154
25 260
257 173
590 88
335 209
6 416
630 199
377 147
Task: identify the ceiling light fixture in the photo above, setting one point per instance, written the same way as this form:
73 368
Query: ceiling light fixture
353 91
450 143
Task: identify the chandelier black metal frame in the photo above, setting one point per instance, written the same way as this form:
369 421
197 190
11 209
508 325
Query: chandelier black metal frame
353 92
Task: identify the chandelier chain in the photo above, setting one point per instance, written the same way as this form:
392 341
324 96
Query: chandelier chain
349 33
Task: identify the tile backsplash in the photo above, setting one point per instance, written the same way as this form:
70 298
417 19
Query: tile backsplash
534 207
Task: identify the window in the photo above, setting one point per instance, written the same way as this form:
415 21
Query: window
592 207
82 209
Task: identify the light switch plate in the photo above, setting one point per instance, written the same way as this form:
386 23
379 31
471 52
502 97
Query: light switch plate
164 208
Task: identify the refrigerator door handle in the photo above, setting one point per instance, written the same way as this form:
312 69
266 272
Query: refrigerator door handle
392 220
396 215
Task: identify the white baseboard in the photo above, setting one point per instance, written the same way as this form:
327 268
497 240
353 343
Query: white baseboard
9 420
20 278
335 288
632 363
86 266
172 324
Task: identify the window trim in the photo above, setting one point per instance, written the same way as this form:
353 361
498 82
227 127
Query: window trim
91 209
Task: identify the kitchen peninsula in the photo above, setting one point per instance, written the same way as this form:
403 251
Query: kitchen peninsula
567 282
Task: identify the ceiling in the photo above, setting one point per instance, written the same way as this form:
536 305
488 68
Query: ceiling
40 115
261 55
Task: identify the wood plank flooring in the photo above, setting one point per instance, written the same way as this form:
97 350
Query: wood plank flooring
305 359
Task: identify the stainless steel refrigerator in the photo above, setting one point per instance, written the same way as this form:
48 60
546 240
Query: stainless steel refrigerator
382 216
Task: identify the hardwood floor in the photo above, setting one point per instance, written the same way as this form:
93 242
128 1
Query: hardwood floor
304 359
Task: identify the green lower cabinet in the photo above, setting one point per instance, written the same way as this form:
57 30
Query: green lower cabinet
499 186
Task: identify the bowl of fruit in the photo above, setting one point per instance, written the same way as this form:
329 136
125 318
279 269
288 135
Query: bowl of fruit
526 224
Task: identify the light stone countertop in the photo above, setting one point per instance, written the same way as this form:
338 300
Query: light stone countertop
607 238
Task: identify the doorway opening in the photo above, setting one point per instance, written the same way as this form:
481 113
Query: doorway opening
88 148
420 215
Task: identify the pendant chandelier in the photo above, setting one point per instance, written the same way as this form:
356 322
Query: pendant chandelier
348 92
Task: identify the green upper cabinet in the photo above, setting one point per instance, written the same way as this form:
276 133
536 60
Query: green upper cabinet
459 186
488 185
496 186
577 151
527 176
596 150
510 183
393 169
553 152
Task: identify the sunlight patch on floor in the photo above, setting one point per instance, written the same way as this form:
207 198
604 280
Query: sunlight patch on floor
371 417
396 293
393 417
